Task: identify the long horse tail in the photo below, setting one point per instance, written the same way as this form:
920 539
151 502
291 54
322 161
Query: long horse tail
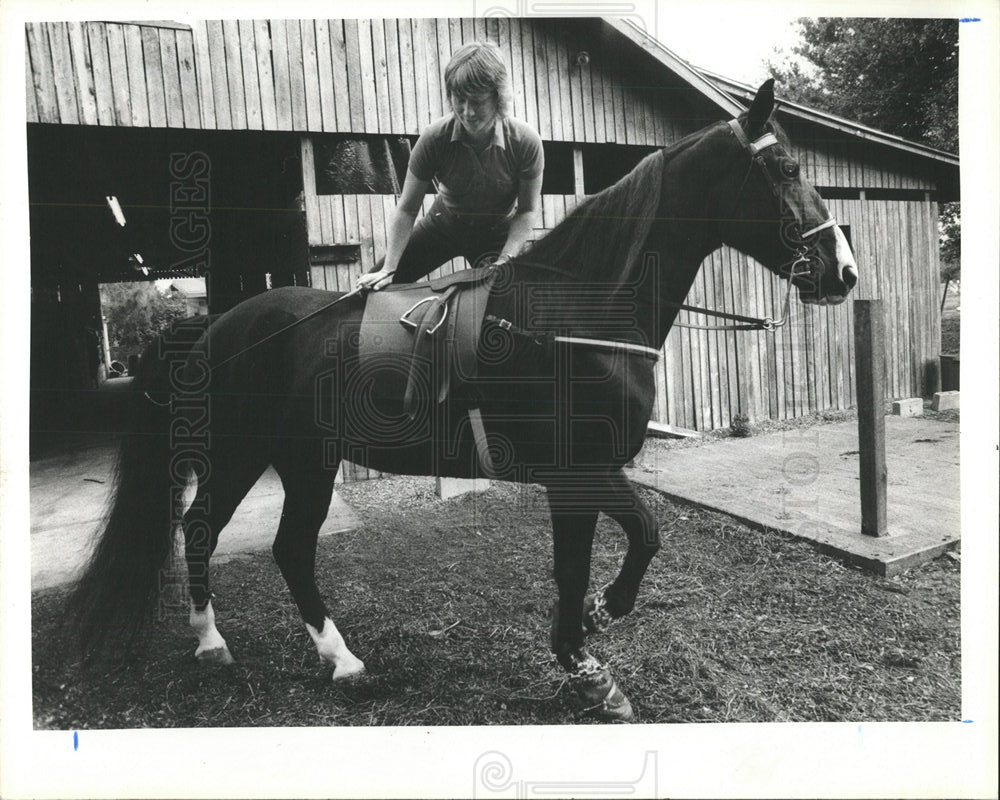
120 586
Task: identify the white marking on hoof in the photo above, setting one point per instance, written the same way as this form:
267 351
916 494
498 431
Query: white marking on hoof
333 650
212 647
218 656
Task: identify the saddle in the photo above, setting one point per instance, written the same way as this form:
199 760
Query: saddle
421 339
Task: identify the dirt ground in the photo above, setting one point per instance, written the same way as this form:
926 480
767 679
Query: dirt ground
447 602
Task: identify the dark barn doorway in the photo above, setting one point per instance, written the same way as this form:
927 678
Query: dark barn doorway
226 205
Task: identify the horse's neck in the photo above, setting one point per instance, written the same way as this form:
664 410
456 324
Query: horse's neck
639 305
684 237
678 259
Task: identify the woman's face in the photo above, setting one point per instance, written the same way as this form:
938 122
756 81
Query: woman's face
475 112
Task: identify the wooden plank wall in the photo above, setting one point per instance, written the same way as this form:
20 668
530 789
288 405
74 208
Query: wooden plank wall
358 76
384 76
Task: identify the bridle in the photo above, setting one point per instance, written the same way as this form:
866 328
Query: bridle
801 253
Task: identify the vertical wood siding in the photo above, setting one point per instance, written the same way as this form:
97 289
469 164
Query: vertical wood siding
384 76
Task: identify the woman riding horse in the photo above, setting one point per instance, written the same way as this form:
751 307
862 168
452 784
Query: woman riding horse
566 379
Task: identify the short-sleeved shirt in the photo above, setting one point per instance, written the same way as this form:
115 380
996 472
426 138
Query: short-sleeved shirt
470 182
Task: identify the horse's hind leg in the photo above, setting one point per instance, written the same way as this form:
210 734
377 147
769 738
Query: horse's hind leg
230 478
308 490
622 503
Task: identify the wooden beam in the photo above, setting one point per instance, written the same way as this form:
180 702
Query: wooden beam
660 430
869 341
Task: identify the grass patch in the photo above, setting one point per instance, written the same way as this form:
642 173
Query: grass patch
447 603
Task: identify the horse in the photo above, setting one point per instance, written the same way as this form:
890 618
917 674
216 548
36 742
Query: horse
565 389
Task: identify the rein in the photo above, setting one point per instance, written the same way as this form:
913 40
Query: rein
267 338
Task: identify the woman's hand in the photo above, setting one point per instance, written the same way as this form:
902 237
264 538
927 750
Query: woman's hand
376 280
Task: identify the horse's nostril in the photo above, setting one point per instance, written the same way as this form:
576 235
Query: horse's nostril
850 277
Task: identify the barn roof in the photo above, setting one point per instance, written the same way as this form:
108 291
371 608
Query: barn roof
732 96
638 37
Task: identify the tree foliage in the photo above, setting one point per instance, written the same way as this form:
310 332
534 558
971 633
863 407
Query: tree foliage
137 313
897 75
951 242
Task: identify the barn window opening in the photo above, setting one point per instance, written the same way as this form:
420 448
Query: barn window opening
558 175
331 254
897 194
360 164
838 193
605 164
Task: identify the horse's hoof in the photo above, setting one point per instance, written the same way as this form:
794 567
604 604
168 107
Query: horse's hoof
601 696
614 708
350 672
216 657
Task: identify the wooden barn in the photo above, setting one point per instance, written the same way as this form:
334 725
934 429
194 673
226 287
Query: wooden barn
225 143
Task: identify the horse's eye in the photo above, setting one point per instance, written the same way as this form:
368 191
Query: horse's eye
790 169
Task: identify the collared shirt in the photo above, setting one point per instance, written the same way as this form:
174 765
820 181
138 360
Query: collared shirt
483 182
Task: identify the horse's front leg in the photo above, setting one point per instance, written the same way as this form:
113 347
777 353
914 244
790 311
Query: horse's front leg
573 537
622 503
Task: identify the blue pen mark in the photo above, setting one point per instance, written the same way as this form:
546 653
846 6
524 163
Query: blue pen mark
967 721
859 736
76 740
970 19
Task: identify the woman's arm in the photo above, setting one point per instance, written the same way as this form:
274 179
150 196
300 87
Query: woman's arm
522 224
398 230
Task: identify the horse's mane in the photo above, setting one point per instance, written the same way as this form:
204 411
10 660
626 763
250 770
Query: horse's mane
603 237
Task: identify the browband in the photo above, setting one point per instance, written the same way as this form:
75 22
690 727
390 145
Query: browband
767 140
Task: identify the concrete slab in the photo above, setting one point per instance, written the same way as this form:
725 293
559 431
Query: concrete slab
805 483
910 407
447 488
946 401
68 493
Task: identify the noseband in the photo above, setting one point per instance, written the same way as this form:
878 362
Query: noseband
800 253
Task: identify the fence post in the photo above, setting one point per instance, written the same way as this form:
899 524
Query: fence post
869 362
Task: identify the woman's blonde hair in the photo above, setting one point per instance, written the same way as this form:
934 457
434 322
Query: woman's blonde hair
478 68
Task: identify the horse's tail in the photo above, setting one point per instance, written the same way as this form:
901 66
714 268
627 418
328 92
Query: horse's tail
121 584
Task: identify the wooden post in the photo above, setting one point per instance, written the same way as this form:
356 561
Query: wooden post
869 349
578 174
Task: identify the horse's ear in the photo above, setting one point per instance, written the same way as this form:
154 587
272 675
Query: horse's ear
761 108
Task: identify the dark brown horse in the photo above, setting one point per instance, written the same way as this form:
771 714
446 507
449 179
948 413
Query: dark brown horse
565 388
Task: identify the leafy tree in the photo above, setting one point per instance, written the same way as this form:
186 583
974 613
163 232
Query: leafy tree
897 75
136 313
951 242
